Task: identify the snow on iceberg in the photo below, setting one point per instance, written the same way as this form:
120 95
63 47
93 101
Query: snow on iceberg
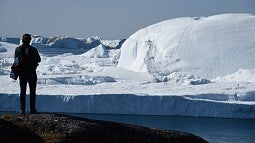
99 52
73 43
204 47
58 65
66 42
76 80
179 78
113 44
7 49
240 76
2 49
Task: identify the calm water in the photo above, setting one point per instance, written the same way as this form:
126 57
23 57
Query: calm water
214 130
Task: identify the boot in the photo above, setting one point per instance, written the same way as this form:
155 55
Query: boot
22 112
22 104
33 111
32 104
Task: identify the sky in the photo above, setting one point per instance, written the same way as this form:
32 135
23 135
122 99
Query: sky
109 19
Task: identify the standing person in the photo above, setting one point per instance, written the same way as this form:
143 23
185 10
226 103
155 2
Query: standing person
28 59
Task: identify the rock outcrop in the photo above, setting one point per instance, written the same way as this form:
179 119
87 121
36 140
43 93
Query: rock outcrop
63 128
13 133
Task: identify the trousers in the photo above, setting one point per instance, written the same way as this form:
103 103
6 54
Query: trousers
31 79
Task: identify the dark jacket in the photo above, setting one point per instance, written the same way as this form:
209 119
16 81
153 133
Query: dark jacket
28 58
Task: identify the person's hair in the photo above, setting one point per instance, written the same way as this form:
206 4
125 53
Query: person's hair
26 38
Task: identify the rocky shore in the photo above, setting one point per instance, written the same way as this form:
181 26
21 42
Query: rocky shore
59 128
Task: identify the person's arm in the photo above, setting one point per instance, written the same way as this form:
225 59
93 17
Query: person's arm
38 58
16 55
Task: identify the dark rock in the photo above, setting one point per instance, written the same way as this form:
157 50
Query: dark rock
12 133
63 128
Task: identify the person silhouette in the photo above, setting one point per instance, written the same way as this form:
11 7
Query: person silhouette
28 58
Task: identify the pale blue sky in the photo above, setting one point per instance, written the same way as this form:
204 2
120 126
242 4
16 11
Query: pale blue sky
109 19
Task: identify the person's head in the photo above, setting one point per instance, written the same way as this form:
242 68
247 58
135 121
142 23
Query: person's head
26 38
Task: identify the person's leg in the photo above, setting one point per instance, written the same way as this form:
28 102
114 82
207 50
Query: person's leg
23 88
32 86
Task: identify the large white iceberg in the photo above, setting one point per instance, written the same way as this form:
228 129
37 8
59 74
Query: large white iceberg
202 46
